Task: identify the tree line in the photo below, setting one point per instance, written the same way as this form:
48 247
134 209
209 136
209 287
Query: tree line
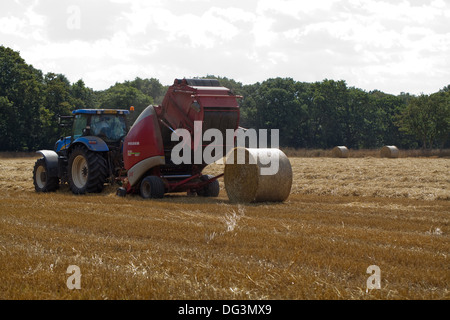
309 115
328 113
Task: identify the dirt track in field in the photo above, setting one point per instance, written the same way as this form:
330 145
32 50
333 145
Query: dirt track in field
343 216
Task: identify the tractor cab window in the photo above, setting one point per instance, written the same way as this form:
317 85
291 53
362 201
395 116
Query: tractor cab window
80 123
108 127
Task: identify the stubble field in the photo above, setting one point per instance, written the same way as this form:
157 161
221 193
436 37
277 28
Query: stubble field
342 216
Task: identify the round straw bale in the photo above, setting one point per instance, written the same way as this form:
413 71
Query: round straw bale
257 175
389 152
340 152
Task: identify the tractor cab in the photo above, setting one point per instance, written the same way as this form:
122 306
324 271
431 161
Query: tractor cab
97 129
110 125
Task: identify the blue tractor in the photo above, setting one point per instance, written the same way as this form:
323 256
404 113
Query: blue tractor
87 159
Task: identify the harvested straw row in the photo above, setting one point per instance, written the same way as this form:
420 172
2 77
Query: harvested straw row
389 152
257 175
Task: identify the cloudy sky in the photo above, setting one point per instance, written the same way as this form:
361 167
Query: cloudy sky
392 46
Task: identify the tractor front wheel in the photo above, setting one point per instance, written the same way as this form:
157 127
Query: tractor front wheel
42 182
87 171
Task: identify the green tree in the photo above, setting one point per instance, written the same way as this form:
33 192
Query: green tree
20 101
358 111
275 104
123 96
428 119
443 131
328 112
248 106
58 95
58 101
387 107
150 87
7 129
82 96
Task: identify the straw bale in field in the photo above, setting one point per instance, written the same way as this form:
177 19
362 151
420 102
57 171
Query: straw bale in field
257 175
340 152
389 152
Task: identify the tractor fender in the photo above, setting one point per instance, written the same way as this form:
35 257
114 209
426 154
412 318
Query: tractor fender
51 160
92 143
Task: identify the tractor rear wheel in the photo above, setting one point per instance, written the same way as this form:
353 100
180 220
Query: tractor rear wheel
87 171
210 190
42 182
152 187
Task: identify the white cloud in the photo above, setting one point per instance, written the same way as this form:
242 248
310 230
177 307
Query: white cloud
372 44
12 26
194 30
294 7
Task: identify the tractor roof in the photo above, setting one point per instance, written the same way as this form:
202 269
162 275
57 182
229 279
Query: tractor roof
100 111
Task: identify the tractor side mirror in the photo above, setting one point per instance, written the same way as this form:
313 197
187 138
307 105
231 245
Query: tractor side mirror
65 121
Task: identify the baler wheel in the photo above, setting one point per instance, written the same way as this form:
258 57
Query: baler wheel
210 190
152 187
